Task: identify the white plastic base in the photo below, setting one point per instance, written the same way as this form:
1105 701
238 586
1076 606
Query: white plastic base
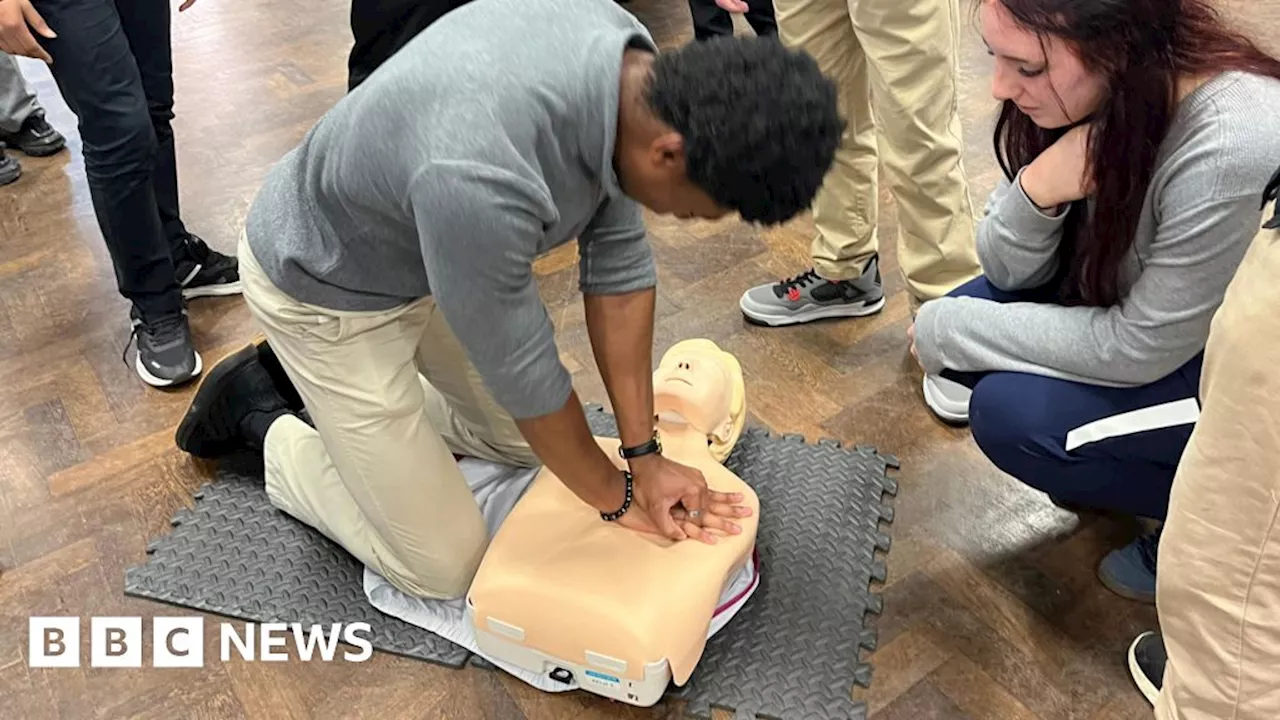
604 674
600 679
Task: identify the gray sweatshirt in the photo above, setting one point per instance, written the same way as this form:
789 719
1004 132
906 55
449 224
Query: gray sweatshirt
1200 214
468 154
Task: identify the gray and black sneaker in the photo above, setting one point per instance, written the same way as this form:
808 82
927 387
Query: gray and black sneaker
36 137
166 353
809 297
10 169
1147 658
205 272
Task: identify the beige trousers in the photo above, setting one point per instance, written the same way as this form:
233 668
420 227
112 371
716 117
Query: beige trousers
1218 587
895 62
392 396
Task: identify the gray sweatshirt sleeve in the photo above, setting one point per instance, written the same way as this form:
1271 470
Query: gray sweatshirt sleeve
1163 322
614 254
480 227
1017 242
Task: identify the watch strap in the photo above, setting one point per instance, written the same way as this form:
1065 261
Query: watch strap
653 446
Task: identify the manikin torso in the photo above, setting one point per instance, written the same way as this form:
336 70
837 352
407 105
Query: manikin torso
573 582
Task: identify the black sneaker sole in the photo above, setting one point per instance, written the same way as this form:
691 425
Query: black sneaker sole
208 429
45 150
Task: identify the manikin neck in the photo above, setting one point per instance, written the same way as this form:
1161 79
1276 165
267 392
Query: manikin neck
679 438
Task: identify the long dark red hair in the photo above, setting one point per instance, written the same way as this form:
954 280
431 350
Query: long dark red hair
1141 47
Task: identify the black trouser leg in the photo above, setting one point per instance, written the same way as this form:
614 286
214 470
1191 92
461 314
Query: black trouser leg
381 27
146 25
98 75
761 18
709 20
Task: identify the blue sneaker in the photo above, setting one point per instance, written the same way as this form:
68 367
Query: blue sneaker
1130 572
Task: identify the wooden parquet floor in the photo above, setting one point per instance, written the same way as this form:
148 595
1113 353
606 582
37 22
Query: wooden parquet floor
992 610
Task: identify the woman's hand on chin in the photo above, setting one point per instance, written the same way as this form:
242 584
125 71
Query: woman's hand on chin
1060 175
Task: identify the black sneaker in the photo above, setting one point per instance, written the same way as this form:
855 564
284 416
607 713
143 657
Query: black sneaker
1146 664
809 297
205 272
232 409
166 354
10 169
36 137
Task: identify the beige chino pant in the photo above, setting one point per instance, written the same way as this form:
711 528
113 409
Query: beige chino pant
1218 574
393 397
895 61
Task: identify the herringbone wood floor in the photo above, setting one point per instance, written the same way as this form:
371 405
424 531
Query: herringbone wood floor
991 606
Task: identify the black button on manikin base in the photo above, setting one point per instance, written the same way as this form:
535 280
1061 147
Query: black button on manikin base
562 675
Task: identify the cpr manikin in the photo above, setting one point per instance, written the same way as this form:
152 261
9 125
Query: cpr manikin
623 611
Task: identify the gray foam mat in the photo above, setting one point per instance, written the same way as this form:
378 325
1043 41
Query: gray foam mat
792 652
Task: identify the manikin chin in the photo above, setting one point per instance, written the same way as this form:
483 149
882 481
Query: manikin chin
623 613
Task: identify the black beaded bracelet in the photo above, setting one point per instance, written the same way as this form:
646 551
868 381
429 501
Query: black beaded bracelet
626 502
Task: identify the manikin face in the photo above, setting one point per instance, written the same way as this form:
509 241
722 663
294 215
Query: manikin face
694 380
1047 82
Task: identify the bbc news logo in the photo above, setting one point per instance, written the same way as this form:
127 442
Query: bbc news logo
178 642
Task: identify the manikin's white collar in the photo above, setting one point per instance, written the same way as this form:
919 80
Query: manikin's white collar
672 416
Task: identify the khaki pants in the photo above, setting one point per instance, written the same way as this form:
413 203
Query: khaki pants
895 61
1218 587
392 396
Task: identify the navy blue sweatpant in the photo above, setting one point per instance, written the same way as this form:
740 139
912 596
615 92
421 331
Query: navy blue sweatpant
1106 448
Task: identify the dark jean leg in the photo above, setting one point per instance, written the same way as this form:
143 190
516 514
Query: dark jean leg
381 27
980 287
1114 449
709 20
98 77
761 18
146 24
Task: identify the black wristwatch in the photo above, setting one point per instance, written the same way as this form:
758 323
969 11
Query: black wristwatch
626 502
653 446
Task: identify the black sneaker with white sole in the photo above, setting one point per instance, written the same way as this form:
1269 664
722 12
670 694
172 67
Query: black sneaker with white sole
166 353
1147 659
205 272
810 297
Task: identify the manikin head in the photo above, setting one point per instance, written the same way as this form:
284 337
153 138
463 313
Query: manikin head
698 383
730 125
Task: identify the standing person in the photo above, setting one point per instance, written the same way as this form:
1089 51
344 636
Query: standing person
381 27
22 123
1218 651
112 62
392 272
712 21
897 65
1132 156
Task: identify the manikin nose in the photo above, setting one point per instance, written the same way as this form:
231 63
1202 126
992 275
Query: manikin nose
684 365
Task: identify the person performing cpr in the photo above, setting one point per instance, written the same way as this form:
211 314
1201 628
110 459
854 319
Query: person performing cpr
389 261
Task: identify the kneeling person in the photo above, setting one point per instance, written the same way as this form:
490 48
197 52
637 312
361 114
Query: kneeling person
389 260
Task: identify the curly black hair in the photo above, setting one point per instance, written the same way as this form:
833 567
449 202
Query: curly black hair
761 123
